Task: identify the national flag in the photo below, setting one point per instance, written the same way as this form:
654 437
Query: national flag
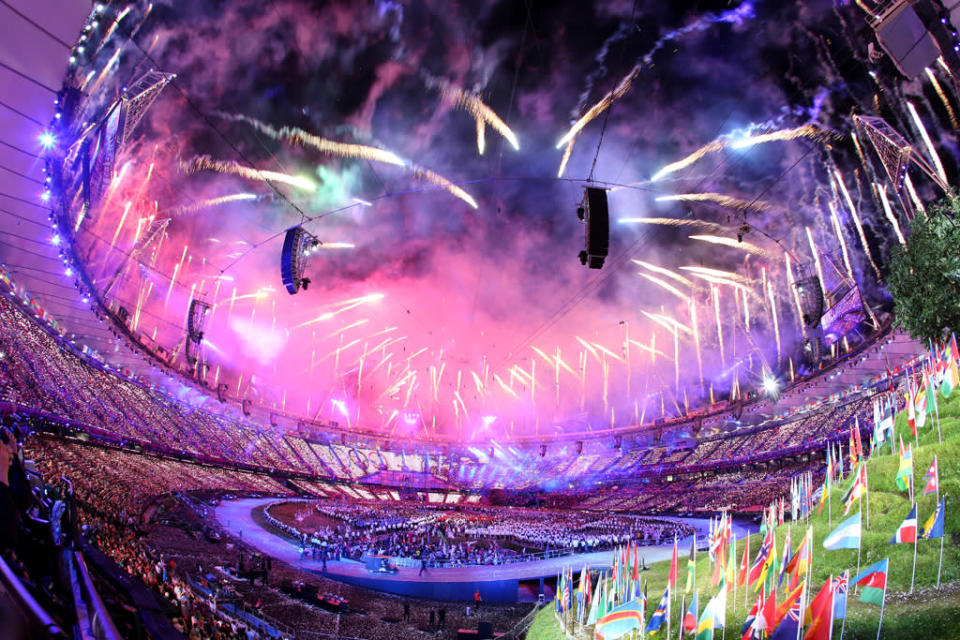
674 565
905 471
932 479
840 586
933 528
931 397
911 409
858 443
786 627
690 617
951 376
713 615
886 422
760 563
819 614
750 623
621 620
827 480
744 563
660 613
857 488
797 565
766 618
873 579
595 603
705 624
845 536
920 405
792 599
691 563
907 531
787 554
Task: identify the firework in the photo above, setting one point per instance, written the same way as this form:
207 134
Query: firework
837 229
856 219
927 142
943 97
649 348
622 87
715 293
917 203
666 285
806 131
730 242
816 259
481 136
212 202
721 199
666 272
672 222
774 318
696 337
205 163
565 158
882 192
482 113
717 273
793 289
440 181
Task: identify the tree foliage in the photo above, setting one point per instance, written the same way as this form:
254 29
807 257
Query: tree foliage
924 276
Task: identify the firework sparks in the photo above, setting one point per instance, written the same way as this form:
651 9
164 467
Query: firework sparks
721 199
672 222
730 242
212 202
927 142
666 285
565 158
666 272
600 107
205 163
843 243
806 131
481 112
917 203
717 273
882 192
943 97
856 219
816 258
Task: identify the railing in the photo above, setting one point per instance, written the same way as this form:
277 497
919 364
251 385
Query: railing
35 616
519 629
101 624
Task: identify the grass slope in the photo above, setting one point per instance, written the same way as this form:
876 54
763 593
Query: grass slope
927 613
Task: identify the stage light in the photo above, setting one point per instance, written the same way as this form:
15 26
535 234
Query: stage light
45 196
47 140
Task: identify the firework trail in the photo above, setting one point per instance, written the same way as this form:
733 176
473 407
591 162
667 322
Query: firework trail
717 273
666 285
481 136
440 181
730 242
843 243
212 202
856 220
913 194
715 293
696 337
927 141
721 199
733 16
672 222
622 87
793 289
773 316
663 271
943 97
294 135
816 259
566 157
480 111
882 192
806 131
206 163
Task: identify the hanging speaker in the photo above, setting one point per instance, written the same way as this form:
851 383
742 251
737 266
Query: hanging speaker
596 216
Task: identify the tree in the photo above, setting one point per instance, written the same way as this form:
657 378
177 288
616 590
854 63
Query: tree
925 275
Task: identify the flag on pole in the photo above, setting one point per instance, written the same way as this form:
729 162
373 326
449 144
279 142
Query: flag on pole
750 624
690 618
660 613
873 579
595 603
920 405
840 585
674 565
621 620
705 624
932 479
786 627
933 528
792 599
857 488
911 409
759 565
905 471
819 614
744 563
846 535
787 554
907 531
691 563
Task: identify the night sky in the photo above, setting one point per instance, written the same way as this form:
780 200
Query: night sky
429 316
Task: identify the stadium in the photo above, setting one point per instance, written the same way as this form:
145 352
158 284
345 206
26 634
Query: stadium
499 319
